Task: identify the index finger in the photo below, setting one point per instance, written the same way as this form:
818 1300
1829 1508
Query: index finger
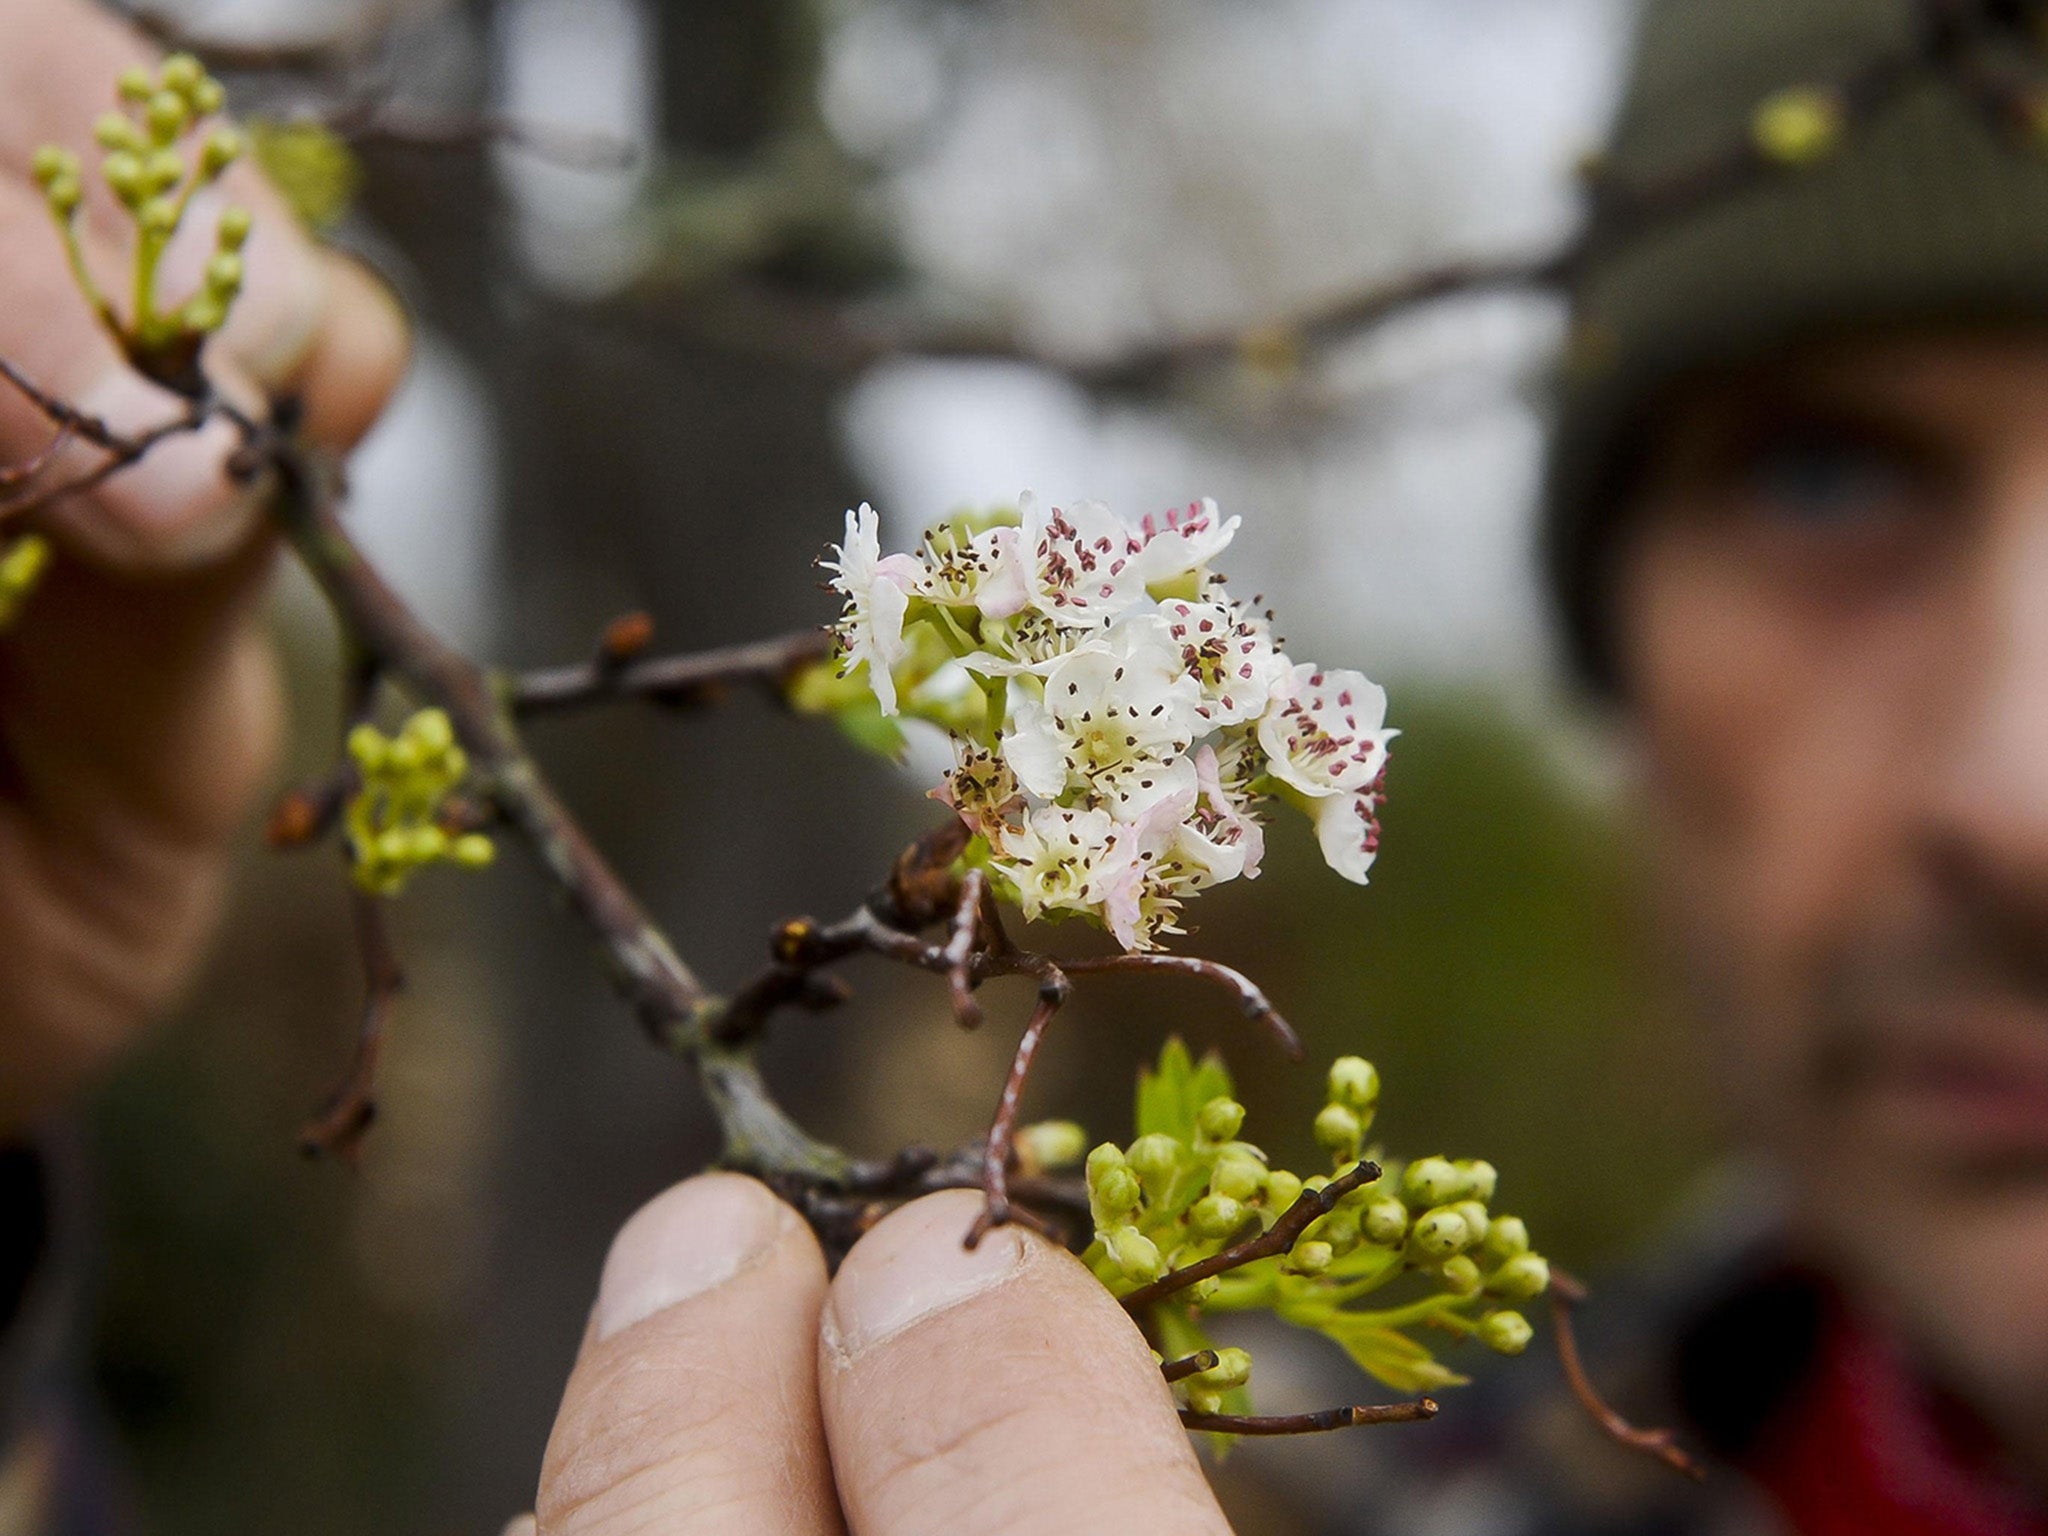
997 1391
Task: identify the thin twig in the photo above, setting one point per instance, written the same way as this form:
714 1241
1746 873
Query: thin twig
669 680
1565 1294
996 1210
338 1129
960 949
1310 1423
1188 1365
1254 1002
1276 1239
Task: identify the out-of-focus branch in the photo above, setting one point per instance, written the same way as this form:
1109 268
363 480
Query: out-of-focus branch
674 681
338 1129
1310 1423
1566 1294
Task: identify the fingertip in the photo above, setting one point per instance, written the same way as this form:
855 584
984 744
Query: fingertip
356 359
916 1264
688 1240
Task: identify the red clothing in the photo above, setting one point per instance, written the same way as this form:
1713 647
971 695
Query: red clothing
1864 1449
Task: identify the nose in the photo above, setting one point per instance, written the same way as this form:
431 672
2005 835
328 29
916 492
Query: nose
1987 796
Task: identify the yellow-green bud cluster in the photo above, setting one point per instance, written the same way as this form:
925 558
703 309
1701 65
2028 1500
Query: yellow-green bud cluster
22 564
1188 1186
1049 1145
394 822
158 151
1798 126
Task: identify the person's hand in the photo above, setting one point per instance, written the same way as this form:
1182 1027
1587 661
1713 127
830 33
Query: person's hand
726 1388
138 710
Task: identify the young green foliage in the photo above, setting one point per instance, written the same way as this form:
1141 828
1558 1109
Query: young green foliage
394 823
22 564
159 149
1187 1188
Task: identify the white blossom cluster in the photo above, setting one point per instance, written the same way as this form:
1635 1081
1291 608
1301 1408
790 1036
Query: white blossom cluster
1118 719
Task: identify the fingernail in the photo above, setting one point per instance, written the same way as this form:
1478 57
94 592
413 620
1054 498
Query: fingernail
524 1525
684 1242
914 1266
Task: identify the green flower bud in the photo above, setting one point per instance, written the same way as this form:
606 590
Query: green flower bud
402 755
1339 1229
428 844
1507 1332
1156 1159
203 314
181 72
135 84
1521 1277
1100 1161
1475 1218
1385 1221
1507 1236
393 847
1117 1191
167 115
163 170
1233 1369
122 173
52 162
473 850
1460 1275
158 216
366 746
208 97
64 195
1338 1131
1282 1189
1237 1177
1051 1144
1220 1119
1136 1255
1355 1082
1481 1179
224 273
233 230
1311 1258
222 148
117 130
1216 1216
1431 1181
1798 125
1439 1233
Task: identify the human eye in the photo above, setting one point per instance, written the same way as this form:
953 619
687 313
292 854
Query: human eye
1819 478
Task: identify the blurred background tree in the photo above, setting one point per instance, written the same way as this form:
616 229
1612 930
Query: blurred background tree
638 391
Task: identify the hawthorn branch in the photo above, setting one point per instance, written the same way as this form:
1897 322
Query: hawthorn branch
1276 1239
1310 1423
1566 1293
672 681
1188 1365
995 1157
338 1129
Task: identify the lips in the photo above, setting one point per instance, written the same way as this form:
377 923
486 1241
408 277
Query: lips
1968 1079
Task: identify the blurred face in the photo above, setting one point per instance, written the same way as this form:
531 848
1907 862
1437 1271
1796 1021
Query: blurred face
1833 612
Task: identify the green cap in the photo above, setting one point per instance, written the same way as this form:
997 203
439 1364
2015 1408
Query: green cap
1923 211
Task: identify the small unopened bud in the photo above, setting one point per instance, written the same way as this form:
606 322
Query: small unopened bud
1233 1369
232 233
1216 1216
1340 1230
366 745
135 84
1476 1219
1238 1177
122 173
1155 1159
208 97
1117 1191
203 313
158 216
1460 1275
1506 1332
224 273
222 148
117 130
1338 1131
1385 1222
1523 1276
52 163
1282 1189
1438 1234
1051 1144
473 850
1354 1081
163 170
1136 1255
167 114
1482 1178
1311 1258
1104 1157
181 72
1507 1236
1432 1181
1797 126
1220 1119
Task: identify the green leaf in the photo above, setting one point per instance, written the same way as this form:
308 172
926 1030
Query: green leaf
1390 1356
1170 1095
